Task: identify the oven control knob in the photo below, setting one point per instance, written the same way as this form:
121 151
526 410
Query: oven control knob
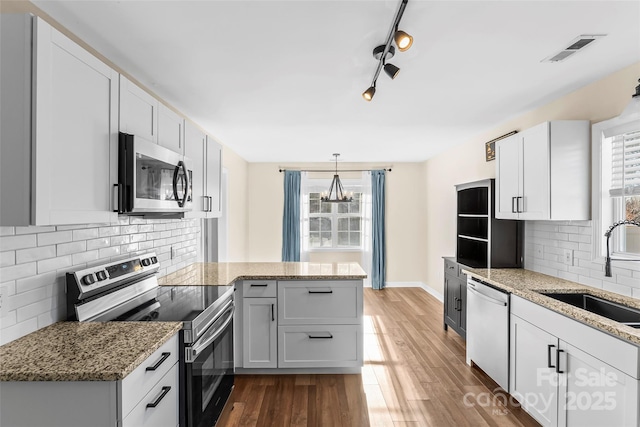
154 260
146 262
88 279
101 275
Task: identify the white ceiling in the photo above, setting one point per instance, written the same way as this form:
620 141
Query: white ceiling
281 81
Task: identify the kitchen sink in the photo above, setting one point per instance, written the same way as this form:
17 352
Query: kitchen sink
609 309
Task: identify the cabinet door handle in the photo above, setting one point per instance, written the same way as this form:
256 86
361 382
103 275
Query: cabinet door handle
513 209
320 337
273 317
210 203
156 402
330 291
159 362
558 371
518 204
549 347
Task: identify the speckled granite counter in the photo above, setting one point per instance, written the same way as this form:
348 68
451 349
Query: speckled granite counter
83 351
529 285
225 273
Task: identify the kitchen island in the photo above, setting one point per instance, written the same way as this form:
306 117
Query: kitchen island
290 317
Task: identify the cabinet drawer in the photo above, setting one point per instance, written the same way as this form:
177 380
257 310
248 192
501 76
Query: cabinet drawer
164 395
259 289
320 302
451 267
139 382
319 346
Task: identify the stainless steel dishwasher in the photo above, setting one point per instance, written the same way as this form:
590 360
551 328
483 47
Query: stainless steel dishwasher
488 330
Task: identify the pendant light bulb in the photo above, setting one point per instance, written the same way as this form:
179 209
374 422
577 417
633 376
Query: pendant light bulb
403 40
368 94
391 70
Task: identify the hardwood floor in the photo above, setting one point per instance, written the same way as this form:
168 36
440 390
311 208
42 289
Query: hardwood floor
414 374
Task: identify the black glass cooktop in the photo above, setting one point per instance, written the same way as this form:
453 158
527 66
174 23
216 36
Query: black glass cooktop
178 303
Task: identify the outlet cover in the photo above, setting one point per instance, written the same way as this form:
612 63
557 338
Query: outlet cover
538 251
568 256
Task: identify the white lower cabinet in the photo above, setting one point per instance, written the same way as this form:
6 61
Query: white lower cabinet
565 373
302 324
147 397
259 339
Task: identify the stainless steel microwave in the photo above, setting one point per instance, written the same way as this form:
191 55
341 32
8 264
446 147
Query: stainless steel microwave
152 180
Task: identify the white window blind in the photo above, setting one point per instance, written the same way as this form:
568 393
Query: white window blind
625 165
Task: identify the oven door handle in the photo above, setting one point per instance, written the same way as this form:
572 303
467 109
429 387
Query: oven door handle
192 352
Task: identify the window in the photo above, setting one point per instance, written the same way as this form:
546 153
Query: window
619 185
332 226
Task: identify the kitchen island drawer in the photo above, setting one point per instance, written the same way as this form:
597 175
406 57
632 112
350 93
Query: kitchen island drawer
139 382
259 289
319 302
319 346
159 407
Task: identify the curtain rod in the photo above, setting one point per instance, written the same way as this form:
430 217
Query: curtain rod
333 170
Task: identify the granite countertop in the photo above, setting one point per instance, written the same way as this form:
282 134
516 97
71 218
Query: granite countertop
529 285
83 351
225 273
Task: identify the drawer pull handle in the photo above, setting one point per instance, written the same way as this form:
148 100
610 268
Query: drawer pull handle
159 362
259 285
558 371
156 402
273 317
330 291
320 337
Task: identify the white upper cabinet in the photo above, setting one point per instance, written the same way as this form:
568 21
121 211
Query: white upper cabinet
194 149
205 155
543 172
59 120
138 111
213 172
170 129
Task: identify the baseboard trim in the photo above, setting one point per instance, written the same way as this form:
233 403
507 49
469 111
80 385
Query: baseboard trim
437 295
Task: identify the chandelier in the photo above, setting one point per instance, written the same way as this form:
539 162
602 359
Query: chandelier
336 192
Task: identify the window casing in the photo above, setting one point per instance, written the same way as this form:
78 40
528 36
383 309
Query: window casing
332 226
616 170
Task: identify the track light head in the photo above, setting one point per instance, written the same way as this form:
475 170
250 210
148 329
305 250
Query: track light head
403 40
368 94
391 70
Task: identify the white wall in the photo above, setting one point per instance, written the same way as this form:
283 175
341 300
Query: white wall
598 101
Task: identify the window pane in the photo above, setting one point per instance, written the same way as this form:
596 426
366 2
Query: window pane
314 206
343 208
355 204
355 239
314 240
632 233
632 209
343 224
325 207
354 224
326 239
326 224
343 238
314 224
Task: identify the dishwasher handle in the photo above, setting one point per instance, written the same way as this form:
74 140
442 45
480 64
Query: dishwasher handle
483 296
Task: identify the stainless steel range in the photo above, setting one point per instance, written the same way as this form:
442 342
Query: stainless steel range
128 290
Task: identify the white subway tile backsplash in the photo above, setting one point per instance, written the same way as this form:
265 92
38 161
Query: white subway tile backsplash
555 237
17 271
85 234
17 242
7 231
45 239
7 258
54 264
33 261
35 254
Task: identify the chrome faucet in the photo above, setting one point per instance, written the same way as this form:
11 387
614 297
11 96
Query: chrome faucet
607 265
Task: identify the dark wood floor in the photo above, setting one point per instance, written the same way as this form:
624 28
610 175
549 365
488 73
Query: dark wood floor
414 374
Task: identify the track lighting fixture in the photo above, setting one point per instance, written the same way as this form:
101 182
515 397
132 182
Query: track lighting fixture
386 51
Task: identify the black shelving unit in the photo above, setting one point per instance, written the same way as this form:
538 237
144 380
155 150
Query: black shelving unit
482 241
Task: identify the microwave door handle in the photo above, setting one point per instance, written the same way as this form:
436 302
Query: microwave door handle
185 182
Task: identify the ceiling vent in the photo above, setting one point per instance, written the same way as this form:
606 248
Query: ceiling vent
574 46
